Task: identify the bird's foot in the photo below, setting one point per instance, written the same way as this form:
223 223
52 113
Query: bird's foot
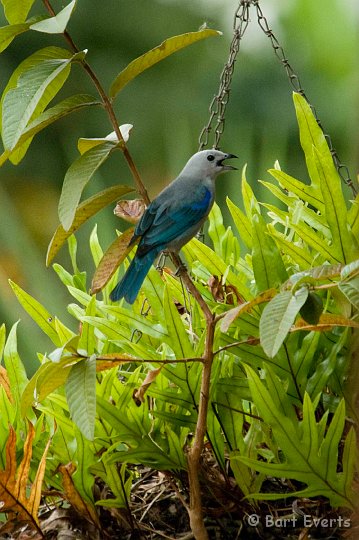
181 269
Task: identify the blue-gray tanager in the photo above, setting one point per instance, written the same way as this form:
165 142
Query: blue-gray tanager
173 217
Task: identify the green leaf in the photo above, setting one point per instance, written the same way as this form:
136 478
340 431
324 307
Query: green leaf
37 312
81 395
299 444
349 462
268 267
278 317
56 24
136 322
77 176
148 59
14 367
242 223
300 256
310 194
87 341
335 207
178 335
310 135
216 229
35 88
312 309
49 376
84 211
16 11
7 33
314 240
213 263
68 106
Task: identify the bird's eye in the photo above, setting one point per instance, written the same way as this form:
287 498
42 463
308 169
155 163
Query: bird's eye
210 157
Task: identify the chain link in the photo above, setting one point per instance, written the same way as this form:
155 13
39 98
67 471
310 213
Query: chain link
217 108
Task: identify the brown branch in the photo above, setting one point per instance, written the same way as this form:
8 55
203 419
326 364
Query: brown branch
109 109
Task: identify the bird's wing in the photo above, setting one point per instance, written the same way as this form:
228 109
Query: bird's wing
171 221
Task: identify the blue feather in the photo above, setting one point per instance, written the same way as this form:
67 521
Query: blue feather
129 286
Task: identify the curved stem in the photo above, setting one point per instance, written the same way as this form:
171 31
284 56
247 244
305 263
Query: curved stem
109 109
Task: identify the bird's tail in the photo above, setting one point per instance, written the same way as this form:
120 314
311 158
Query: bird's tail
129 286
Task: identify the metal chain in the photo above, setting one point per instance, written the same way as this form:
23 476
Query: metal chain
342 169
217 108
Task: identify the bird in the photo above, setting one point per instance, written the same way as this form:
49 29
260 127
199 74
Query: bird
173 217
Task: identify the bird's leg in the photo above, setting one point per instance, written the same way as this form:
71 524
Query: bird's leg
181 268
161 261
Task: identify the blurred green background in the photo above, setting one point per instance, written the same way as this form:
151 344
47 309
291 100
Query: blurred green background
168 106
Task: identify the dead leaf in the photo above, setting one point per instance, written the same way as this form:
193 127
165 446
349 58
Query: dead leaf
327 321
139 395
84 508
232 314
223 293
14 482
112 258
131 210
5 383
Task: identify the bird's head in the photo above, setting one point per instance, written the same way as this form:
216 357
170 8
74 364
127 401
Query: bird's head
208 163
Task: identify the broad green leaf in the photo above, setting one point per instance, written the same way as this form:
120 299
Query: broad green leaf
213 263
81 395
35 88
249 200
77 176
84 211
87 341
14 366
312 308
85 144
7 33
148 59
216 229
241 222
297 254
310 194
313 240
135 321
310 135
268 267
112 258
2 339
178 335
353 217
68 106
335 207
349 462
37 312
16 11
278 317
49 376
56 24
299 445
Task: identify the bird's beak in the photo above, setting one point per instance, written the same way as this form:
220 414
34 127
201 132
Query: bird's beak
228 167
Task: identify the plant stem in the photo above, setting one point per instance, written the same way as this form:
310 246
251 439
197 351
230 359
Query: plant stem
195 452
109 109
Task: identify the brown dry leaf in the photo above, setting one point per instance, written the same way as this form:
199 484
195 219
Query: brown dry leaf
112 258
223 293
13 485
139 395
131 210
232 314
5 383
85 509
327 321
